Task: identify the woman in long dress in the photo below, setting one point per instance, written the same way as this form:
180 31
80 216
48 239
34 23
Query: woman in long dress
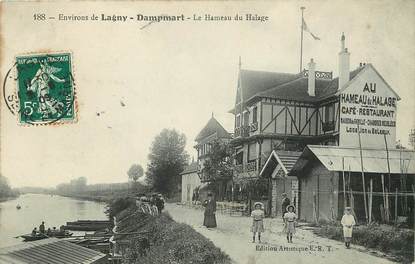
290 219
257 221
348 222
210 210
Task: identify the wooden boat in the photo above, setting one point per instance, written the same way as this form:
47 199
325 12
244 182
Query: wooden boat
87 225
31 237
38 236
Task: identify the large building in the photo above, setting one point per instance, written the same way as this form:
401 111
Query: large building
278 114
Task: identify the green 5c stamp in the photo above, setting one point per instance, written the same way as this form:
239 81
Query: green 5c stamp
45 88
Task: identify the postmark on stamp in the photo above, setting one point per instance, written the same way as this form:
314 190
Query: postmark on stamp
45 88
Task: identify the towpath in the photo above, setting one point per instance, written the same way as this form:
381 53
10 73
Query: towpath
233 236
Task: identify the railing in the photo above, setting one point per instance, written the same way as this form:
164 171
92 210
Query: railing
247 167
328 126
250 166
242 131
239 168
320 75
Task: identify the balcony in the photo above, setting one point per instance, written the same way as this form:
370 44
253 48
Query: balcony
242 131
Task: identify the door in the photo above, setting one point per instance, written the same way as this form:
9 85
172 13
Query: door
189 197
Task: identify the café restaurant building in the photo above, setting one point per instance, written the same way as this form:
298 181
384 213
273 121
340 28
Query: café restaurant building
299 133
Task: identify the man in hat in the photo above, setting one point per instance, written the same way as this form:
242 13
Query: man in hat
210 210
284 204
348 222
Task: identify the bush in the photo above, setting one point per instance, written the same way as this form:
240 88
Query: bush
117 205
395 241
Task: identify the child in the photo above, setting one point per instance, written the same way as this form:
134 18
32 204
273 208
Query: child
257 221
347 222
289 219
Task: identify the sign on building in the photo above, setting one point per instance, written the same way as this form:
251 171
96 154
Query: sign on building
368 108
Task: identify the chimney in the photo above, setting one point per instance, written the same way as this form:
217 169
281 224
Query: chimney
344 64
311 78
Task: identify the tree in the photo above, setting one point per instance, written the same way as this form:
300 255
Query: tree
218 164
135 172
5 189
167 159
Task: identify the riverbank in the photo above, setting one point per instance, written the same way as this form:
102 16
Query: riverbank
101 196
98 198
159 239
5 199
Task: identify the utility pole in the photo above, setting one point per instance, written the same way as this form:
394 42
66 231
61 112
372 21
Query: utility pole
363 174
302 30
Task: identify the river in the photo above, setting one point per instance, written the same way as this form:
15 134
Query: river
35 208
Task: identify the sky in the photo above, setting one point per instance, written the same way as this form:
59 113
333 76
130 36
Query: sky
175 75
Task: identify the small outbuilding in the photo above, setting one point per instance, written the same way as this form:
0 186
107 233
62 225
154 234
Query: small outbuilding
332 177
190 183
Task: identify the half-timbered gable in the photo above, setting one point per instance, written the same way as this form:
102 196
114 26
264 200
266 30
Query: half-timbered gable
212 131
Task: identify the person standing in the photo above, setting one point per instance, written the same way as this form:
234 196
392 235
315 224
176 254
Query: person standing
42 228
154 209
348 222
257 221
290 219
210 210
160 202
285 202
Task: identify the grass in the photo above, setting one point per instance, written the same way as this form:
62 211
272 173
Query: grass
166 242
172 242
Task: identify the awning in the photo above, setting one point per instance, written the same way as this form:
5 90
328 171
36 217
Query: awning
374 160
51 250
279 160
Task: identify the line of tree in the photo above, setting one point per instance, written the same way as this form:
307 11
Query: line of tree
75 186
167 160
5 190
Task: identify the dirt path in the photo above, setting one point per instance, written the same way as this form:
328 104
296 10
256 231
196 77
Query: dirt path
233 236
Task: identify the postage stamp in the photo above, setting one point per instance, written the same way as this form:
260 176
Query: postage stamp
45 88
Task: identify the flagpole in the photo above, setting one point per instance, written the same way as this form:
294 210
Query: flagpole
302 29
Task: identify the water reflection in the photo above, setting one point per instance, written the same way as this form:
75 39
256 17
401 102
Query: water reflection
54 210
80 207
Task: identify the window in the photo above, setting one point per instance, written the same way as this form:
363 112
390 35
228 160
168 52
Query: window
255 115
329 122
238 121
252 152
246 118
329 113
239 158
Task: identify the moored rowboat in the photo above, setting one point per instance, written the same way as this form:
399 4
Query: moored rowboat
38 236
